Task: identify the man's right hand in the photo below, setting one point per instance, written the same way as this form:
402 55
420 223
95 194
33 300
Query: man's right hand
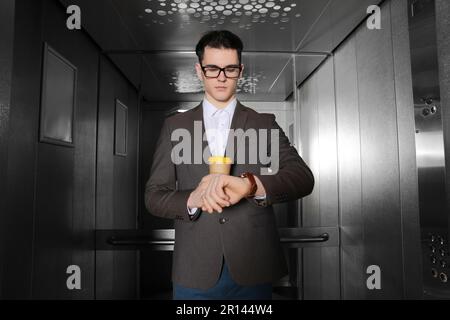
207 196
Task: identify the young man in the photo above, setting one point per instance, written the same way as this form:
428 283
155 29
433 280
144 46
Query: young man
227 244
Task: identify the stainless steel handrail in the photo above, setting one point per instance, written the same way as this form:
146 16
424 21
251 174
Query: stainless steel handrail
133 241
305 239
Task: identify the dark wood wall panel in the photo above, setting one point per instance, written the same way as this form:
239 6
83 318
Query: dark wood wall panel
153 115
105 182
22 150
116 185
50 199
65 211
6 62
53 221
155 266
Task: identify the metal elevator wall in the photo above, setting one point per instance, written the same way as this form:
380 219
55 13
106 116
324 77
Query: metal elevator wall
320 209
443 45
370 136
429 148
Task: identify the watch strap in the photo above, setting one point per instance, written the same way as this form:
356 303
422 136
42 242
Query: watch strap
253 185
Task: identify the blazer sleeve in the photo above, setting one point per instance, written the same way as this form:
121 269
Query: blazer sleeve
293 180
162 198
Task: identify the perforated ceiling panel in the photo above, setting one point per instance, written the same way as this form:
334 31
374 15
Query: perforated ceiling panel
165 32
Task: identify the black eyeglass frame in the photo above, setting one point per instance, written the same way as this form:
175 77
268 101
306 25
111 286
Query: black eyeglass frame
221 70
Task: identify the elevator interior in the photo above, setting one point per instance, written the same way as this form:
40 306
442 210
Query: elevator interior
362 107
285 42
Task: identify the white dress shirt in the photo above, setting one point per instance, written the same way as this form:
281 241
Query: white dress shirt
217 125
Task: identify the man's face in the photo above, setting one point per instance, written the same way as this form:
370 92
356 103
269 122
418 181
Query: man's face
221 89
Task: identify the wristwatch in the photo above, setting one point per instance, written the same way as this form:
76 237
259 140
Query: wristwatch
253 186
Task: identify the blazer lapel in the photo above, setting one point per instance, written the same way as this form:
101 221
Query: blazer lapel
201 169
238 122
198 116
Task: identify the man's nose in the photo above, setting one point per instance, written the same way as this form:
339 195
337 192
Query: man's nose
221 76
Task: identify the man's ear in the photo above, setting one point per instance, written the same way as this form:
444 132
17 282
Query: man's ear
242 70
199 71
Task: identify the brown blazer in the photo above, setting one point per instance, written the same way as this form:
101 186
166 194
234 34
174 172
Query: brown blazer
245 234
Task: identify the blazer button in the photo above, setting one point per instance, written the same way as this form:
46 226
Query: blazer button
222 220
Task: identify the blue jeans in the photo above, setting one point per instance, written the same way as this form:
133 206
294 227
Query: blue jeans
224 289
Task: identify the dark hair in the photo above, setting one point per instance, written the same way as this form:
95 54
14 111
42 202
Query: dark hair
219 39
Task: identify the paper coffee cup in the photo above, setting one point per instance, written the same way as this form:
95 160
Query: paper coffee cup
219 164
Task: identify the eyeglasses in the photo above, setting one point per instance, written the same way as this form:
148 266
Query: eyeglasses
212 71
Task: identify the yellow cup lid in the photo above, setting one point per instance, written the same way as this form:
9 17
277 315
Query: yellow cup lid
219 160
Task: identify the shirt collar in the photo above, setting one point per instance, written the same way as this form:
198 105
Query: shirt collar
209 108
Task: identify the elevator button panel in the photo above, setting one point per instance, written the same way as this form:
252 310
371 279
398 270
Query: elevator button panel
436 248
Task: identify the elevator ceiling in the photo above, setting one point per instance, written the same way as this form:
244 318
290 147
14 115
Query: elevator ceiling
152 41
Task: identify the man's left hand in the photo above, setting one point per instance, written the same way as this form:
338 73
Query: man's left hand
235 188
